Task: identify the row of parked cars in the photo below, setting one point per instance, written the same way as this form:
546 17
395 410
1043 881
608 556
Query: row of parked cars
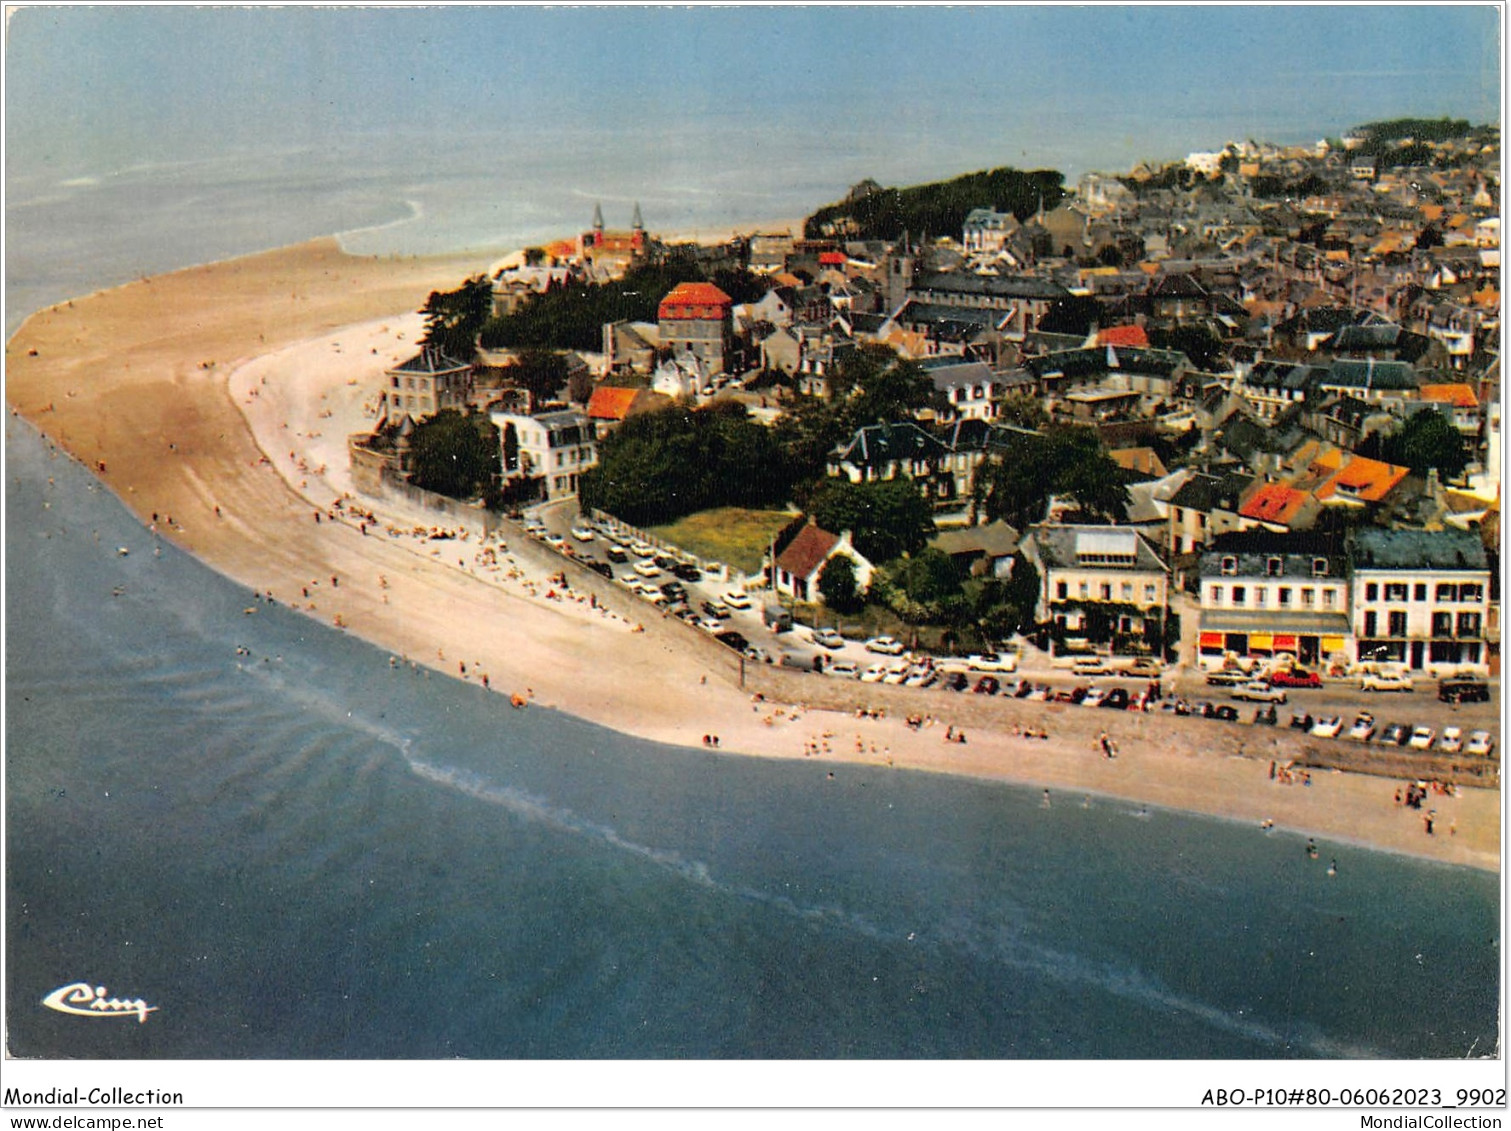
1365 728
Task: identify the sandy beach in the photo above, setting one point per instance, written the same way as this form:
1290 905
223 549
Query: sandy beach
216 401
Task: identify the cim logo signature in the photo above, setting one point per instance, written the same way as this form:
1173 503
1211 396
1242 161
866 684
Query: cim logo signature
83 1000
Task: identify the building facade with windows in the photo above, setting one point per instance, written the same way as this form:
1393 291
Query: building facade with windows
555 447
1421 599
696 318
1263 594
427 383
1099 581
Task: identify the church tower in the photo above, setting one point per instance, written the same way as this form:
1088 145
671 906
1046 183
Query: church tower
637 230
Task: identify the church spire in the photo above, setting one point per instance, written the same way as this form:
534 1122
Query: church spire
598 218
637 224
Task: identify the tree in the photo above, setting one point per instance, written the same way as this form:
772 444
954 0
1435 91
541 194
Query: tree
886 519
837 584
1022 410
1063 460
453 319
1426 440
455 455
539 372
882 387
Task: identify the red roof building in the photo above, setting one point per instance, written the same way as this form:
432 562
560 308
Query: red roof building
695 319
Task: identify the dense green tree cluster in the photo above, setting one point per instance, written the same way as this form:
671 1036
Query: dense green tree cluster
455 455
453 318
1064 460
572 315
1382 136
658 466
1426 440
939 208
886 519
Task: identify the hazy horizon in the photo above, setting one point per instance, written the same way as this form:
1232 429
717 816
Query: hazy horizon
901 93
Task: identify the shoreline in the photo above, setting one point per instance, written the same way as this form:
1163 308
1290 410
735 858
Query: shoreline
186 386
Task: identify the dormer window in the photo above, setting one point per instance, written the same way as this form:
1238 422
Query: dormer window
1229 567
1319 567
1272 567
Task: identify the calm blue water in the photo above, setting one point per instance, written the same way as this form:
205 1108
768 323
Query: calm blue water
304 853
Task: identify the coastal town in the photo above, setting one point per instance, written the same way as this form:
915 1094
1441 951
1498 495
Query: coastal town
1228 428
1001 484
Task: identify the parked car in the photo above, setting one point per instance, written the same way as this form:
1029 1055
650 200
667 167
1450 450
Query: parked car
921 676
716 609
1295 677
1422 738
1144 667
992 662
710 624
1395 734
1094 697
874 673
1328 726
827 638
885 645
688 572
1116 700
736 600
1480 744
647 568
603 569
1464 689
556 540
617 555
846 668
1451 741
582 533
1092 666
1259 692
1226 678
1363 729
674 591
643 548
1384 681
734 640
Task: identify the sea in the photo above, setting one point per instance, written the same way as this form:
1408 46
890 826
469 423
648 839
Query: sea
289 849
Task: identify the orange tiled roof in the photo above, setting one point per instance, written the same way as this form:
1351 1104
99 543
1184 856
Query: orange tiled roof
1431 212
610 403
1274 502
1133 336
1366 479
1489 298
1459 396
695 300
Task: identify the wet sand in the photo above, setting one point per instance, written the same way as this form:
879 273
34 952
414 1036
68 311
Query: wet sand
219 399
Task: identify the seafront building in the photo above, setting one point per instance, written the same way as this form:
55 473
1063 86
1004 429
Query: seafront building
427 383
1421 598
554 447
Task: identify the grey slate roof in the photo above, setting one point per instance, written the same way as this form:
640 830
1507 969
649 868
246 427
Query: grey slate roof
992 286
1255 549
1377 548
430 361
1056 547
1390 376
878 444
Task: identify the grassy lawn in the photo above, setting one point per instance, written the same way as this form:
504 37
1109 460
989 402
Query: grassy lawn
732 535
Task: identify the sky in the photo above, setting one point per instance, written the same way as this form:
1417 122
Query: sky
108 86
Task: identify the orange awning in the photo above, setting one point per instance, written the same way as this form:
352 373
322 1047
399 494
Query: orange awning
1211 640
1284 642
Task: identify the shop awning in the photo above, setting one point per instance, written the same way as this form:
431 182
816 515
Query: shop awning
1285 642
1332 643
1211 640
1261 642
